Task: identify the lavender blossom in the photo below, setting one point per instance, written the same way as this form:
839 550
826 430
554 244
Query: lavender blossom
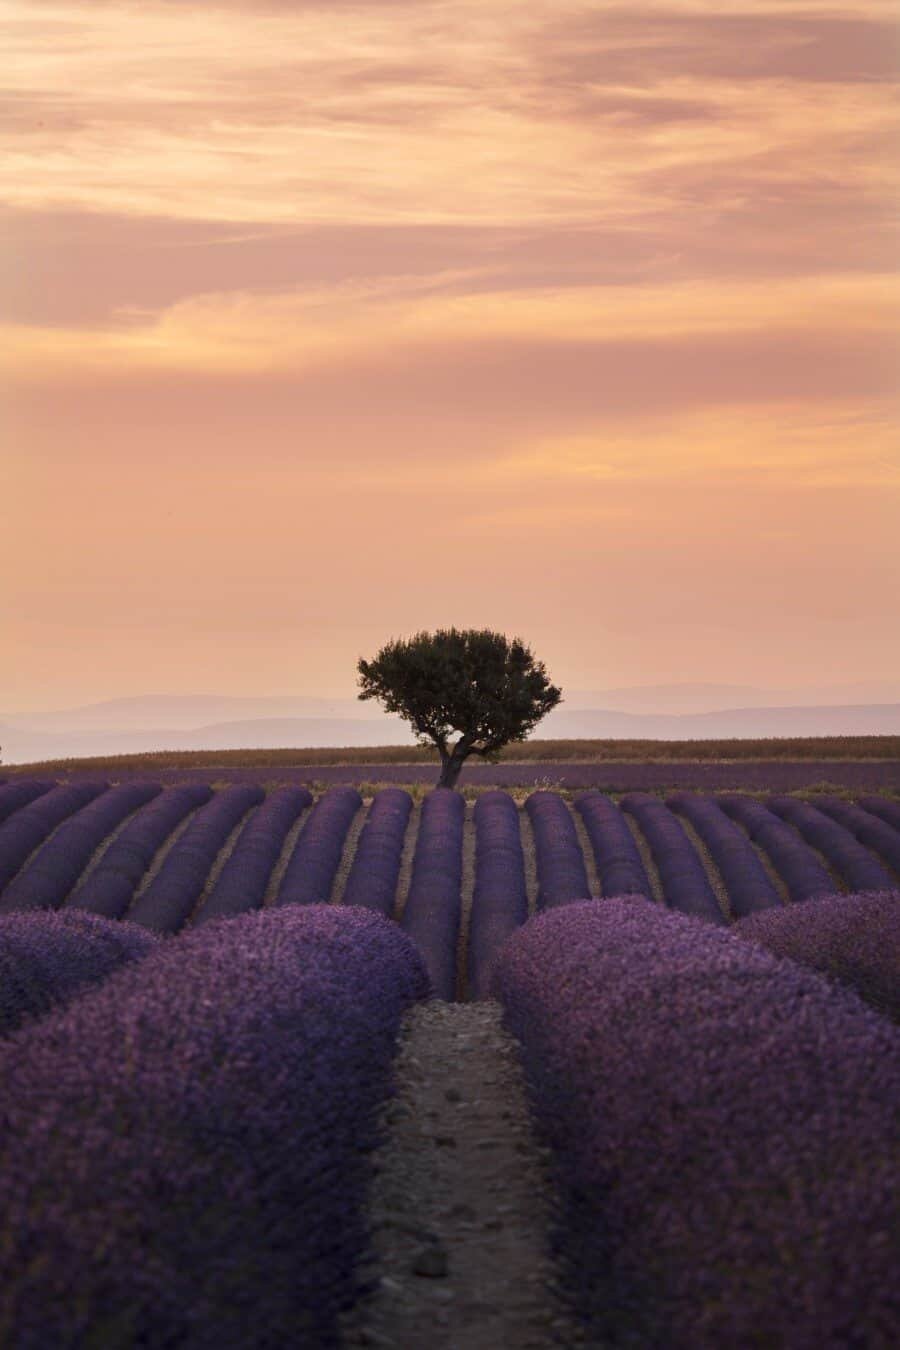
309 875
885 810
374 873
619 864
560 862
184 1151
684 881
17 794
241 885
47 958
174 891
854 939
724 1130
748 886
29 826
109 888
791 856
870 830
431 916
855 864
52 872
500 900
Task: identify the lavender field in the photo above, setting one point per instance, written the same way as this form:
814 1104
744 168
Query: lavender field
702 987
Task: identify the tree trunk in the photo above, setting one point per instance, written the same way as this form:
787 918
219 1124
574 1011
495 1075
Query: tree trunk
450 768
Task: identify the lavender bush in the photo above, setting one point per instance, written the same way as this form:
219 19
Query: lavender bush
619 865
21 834
855 864
854 939
431 915
184 1152
793 859
500 900
724 1128
47 958
560 862
373 877
870 830
241 885
684 881
20 793
749 888
58 863
177 886
883 809
309 875
109 887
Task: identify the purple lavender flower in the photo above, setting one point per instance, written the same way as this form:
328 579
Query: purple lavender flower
29 826
309 875
374 873
749 888
20 793
560 862
684 881
791 856
855 864
619 865
500 900
47 958
241 885
854 939
431 916
184 1151
724 1129
50 875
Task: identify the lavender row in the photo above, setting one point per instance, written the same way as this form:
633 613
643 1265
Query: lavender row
727 1172
619 865
241 885
500 899
432 912
684 881
792 858
55 868
185 1151
869 829
560 862
374 874
174 891
28 827
309 875
669 776
854 939
15 795
855 864
887 811
46 958
109 887
746 881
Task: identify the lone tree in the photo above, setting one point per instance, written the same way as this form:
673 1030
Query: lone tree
486 687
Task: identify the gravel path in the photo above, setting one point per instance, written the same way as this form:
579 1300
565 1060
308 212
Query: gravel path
461 1203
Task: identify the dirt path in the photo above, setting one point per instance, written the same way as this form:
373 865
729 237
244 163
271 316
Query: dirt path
461 1202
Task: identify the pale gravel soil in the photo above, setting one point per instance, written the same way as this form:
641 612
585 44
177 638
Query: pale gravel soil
646 853
406 861
287 849
590 862
219 862
461 1203
713 875
160 856
531 881
339 884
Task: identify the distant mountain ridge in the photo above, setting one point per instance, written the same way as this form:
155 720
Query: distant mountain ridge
38 737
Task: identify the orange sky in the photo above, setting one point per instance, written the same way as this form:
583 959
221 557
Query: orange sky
327 322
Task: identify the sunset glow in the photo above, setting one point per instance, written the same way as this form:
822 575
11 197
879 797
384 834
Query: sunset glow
325 321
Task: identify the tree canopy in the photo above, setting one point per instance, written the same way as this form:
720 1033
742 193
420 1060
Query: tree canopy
480 685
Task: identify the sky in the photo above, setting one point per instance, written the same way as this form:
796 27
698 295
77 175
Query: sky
328 321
